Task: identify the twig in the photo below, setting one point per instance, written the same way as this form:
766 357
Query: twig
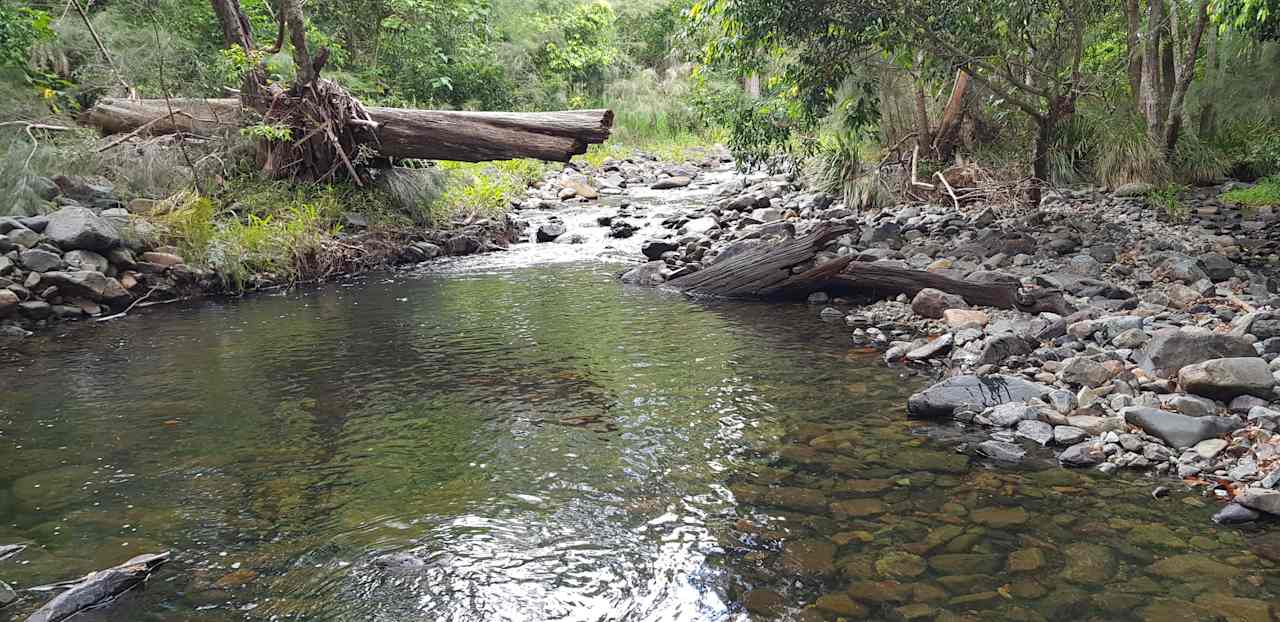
155 303
129 92
950 191
35 144
129 308
139 130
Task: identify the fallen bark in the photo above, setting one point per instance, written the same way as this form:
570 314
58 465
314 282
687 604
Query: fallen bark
401 133
99 588
769 273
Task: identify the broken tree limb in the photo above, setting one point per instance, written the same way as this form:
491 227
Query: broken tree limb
99 588
401 133
769 272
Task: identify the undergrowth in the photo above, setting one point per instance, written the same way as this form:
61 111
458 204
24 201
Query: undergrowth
1266 193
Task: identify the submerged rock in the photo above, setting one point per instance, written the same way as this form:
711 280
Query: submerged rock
1235 514
977 392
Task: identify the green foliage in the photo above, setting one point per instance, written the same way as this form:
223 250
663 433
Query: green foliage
837 167
264 131
20 28
585 48
1252 146
484 189
1199 163
1169 199
1266 193
1127 154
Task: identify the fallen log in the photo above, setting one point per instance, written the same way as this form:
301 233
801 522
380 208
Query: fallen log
769 272
401 133
99 588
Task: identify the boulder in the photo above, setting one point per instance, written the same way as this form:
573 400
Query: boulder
672 182
654 249
1002 451
977 392
1133 189
1036 431
1179 431
651 273
960 319
40 260
933 303
1217 267
1266 501
8 302
1085 454
88 260
1171 349
1228 378
87 284
1081 371
548 232
1000 347
79 228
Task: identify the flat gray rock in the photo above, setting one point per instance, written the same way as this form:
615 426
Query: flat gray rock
1004 452
976 392
1228 378
1267 501
1035 431
1179 431
1171 349
1084 454
79 228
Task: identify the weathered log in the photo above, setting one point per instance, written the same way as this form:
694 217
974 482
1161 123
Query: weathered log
769 272
402 133
99 588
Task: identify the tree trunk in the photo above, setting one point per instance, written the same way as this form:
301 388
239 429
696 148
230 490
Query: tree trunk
924 133
1133 13
768 273
400 133
944 142
1040 157
1208 124
1185 74
1149 104
295 23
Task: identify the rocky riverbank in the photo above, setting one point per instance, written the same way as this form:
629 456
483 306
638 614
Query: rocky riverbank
94 255
1168 361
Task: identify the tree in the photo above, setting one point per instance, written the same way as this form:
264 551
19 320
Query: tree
1028 53
1162 81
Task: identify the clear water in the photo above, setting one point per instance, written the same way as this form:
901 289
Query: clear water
488 440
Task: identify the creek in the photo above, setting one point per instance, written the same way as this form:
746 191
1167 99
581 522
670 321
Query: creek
520 437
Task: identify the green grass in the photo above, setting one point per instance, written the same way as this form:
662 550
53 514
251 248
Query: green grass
484 189
1266 193
1169 199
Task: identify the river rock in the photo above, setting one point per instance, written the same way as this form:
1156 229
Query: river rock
1002 451
1227 378
699 226
960 319
1193 406
1197 567
40 260
977 392
1259 499
79 228
965 563
1179 431
89 284
169 260
1036 431
841 604
1172 349
900 564
1082 371
548 232
650 273
654 249
932 303
7 595
1068 435
1133 189
9 302
88 260
1088 563
1209 448
672 182
1000 347
1081 455
1235 514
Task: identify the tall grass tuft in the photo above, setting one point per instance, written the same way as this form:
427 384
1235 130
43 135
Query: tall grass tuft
1199 163
1127 154
837 167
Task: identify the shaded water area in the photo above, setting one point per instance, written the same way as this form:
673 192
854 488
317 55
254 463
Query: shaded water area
486 442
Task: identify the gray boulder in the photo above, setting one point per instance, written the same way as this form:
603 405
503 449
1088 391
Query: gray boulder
1228 378
669 183
1081 371
1000 347
1035 431
1002 451
1171 349
1081 455
1179 431
550 231
976 392
1217 267
651 273
79 228
88 260
654 249
40 260
1267 501
88 284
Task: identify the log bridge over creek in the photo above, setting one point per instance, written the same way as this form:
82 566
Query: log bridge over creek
779 272
399 133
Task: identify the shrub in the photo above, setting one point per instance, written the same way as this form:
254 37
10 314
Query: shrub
1199 163
1126 154
1263 194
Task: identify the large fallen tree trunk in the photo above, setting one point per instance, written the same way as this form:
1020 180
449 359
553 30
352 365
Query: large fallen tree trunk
770 272
400 133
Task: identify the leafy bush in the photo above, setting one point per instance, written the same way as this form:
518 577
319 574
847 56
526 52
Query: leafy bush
1251 146
1263 194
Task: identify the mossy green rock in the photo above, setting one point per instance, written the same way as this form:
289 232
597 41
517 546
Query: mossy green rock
1156 535
1194 568
899 564
965 563
1088 563
840 603
1025 560
999 516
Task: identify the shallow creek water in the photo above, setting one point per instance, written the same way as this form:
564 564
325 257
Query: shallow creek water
516 437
